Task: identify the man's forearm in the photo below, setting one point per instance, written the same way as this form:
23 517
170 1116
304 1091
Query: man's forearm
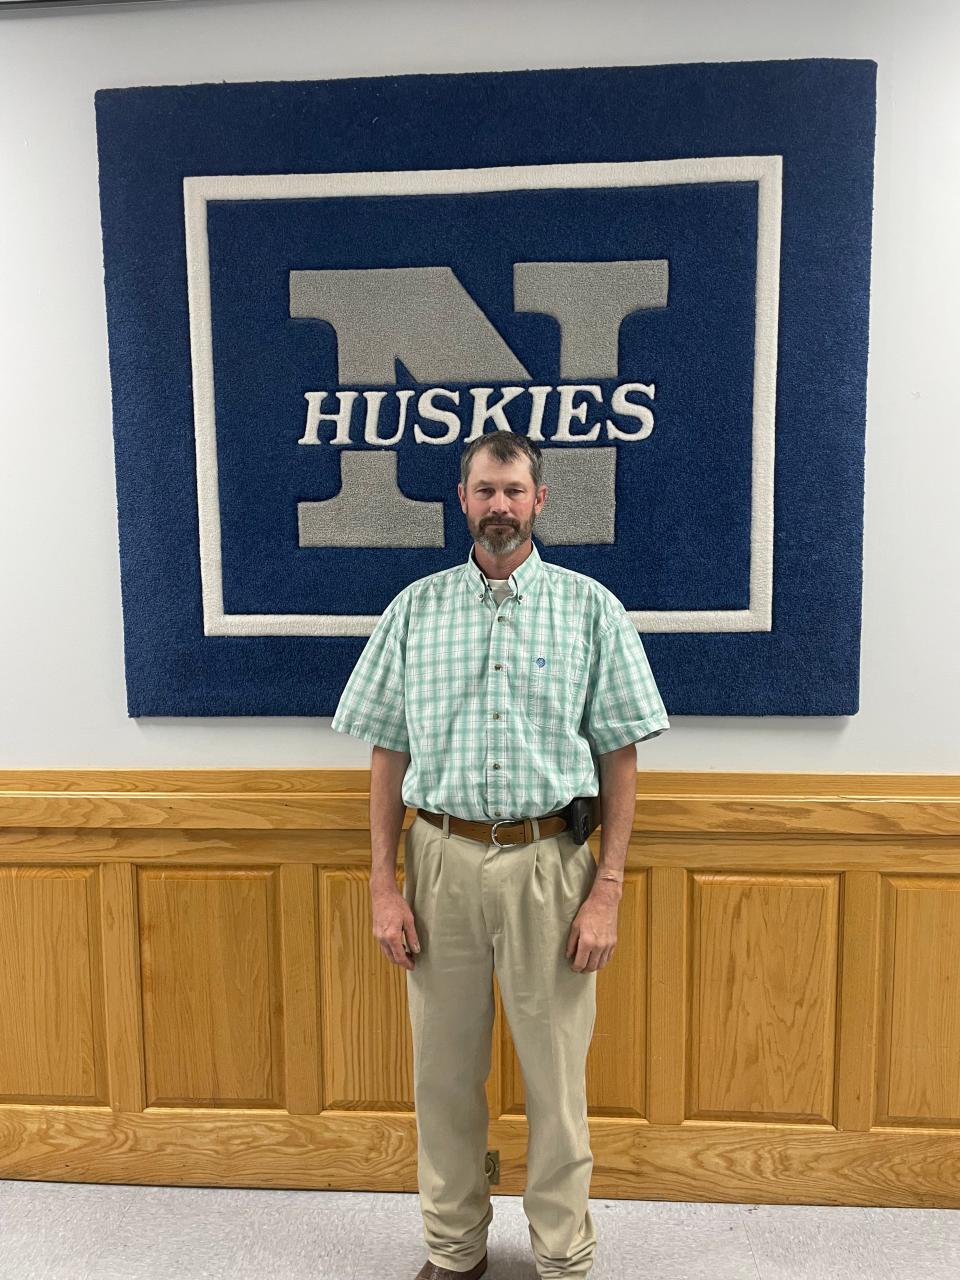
387 769
618 802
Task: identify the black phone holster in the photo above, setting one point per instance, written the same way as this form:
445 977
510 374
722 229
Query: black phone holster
583 816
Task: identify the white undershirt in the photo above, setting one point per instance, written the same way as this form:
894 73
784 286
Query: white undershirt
500 587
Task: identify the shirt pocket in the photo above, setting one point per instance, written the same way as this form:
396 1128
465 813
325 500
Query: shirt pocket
553 693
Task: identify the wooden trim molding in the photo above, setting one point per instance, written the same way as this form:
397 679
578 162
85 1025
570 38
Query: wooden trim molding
315 799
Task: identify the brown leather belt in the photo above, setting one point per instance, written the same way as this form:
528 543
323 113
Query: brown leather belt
504 833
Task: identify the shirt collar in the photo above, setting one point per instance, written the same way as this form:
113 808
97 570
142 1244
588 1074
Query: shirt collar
523 578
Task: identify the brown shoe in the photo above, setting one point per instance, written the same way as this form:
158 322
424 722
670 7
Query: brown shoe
431 1271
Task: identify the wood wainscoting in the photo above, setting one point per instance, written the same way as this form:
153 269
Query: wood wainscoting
190 990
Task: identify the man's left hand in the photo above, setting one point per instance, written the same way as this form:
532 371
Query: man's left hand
593 934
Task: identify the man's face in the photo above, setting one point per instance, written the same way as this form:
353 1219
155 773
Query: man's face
500 503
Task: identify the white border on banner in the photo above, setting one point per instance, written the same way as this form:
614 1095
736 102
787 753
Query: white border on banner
766 171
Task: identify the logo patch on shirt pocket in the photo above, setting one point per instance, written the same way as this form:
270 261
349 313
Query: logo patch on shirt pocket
550 688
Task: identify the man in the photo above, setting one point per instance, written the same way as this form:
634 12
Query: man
494 693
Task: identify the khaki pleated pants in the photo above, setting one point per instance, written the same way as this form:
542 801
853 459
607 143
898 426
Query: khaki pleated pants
479 909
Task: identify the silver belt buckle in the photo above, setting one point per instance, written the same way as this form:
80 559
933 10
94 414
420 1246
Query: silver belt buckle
493 834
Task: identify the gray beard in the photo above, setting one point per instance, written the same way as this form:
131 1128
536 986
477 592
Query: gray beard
500 546
508 545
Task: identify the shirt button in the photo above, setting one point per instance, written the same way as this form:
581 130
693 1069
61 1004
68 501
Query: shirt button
496 766
497 813
497 666
496 715
501 619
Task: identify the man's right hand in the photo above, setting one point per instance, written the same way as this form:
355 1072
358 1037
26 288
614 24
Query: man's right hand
393 925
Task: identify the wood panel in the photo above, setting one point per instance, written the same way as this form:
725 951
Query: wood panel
191 992
617 1062
919 1076
371 1067
51 991
763 997
210 983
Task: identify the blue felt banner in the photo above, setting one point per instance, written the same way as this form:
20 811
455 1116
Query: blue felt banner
318 292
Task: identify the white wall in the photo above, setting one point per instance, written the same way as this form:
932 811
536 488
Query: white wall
61 661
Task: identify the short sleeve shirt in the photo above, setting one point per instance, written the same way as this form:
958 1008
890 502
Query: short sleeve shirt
503 708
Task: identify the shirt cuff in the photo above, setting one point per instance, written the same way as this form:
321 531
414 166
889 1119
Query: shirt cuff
622 736
372 734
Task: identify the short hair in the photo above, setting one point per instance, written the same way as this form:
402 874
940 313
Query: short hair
505 446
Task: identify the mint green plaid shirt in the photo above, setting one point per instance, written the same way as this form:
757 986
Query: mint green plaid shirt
502 710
